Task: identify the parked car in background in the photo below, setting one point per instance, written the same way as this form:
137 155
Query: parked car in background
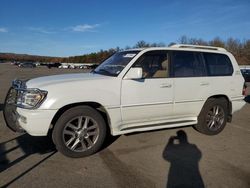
15 63
93 66
246 74
133 90
64 66
27 65
55 65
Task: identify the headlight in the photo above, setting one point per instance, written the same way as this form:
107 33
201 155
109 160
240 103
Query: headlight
30 98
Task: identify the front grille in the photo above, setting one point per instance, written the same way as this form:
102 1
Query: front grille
19 84
12 96
17 87
9 111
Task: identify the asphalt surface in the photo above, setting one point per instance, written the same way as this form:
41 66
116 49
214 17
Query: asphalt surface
145 159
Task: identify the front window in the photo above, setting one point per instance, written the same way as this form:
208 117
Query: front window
116 63
154 64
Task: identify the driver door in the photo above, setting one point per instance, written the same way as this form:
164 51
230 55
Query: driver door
148 100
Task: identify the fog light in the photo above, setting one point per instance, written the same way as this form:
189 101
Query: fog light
22 119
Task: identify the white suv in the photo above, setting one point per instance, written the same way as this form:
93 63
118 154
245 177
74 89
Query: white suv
133 90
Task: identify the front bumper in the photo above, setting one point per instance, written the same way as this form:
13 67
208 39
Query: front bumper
35 122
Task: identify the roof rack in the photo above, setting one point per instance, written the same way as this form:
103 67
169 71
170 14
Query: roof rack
198 47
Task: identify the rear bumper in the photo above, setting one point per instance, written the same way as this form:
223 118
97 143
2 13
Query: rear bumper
237 104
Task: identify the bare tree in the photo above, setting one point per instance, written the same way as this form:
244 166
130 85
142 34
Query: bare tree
217 42
183 39
142 44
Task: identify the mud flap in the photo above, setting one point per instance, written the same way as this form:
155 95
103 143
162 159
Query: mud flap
10 113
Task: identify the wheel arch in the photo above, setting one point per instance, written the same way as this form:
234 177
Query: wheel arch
229 103
97 106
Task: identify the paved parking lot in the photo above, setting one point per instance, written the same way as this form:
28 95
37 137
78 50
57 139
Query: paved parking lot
136 160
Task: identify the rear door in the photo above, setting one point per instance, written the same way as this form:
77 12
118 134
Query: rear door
191 84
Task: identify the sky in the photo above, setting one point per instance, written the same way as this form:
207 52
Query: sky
76 27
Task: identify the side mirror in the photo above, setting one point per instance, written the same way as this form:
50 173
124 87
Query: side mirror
134 73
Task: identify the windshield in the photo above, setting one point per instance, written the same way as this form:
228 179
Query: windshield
116 63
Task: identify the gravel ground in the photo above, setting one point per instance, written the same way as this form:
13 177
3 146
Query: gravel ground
135 160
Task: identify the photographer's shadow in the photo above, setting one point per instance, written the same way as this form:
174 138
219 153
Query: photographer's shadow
184 162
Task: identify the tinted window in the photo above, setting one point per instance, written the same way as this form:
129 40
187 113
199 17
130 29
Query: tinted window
218 64
154 64
245 71
187 64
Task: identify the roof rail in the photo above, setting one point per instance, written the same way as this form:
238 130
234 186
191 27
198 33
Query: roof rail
198 47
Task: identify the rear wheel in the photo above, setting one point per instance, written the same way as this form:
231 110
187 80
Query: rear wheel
79 132
213 116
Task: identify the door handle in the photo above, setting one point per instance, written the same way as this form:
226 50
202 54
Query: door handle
204 83
166 85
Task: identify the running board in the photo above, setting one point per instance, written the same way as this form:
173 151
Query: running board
158 125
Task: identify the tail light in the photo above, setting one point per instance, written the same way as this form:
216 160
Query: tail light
244 90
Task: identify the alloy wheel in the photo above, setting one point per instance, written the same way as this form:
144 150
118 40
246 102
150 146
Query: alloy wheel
215 118
80 133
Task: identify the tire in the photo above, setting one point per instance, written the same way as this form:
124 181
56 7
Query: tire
79 132
213 116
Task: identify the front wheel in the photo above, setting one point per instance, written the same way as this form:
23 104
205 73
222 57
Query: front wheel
213 116
79 132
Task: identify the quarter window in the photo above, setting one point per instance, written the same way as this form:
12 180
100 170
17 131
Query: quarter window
218 64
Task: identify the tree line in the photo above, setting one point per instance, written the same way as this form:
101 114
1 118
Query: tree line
239 48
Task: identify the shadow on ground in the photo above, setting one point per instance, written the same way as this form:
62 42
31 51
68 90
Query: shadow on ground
125 175
1 107
184 162
28 145
109 141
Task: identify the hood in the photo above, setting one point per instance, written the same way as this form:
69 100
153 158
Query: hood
63 78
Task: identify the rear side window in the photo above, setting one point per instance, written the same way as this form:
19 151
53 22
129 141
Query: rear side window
218 64
187 64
